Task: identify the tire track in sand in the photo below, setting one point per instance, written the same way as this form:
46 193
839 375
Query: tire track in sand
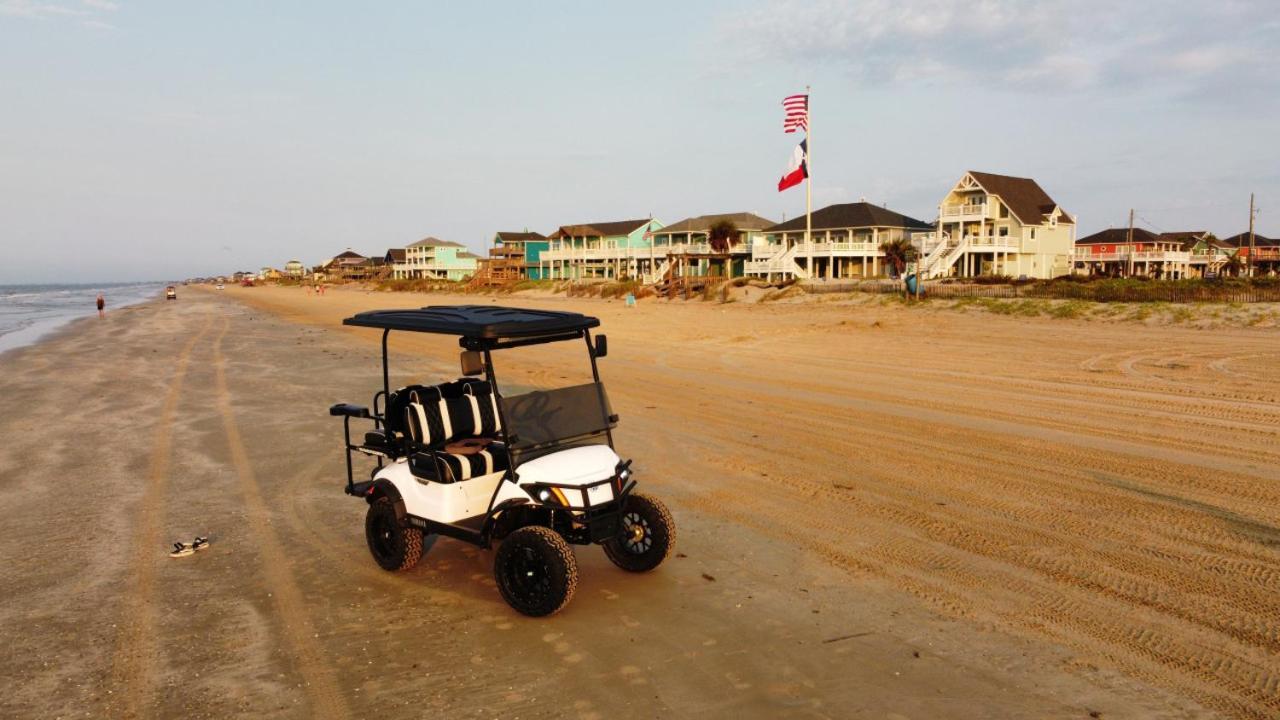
322 688
132 672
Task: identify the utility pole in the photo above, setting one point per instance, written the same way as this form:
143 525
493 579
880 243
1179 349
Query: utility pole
1251 241
1129 245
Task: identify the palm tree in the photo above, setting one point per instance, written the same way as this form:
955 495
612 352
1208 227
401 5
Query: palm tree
898 253
1234 265
721 235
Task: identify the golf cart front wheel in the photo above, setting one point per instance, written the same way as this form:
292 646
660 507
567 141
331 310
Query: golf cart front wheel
646 536
394 545
536 571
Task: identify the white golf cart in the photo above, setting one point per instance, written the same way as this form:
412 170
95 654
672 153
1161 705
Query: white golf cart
534 469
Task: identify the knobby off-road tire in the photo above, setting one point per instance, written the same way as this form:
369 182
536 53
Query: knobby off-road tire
536 570
646 537
394 545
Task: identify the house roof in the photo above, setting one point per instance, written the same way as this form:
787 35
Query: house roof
851 215
435 242
1118 236
1242 240
519 237
348 255
603 229
1184 235
703 223
395 255
1189 238
464 254
1024 196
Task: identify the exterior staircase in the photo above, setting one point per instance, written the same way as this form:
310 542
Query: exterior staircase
942 256
783 263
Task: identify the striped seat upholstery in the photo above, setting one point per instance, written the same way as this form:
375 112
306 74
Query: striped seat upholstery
433 419
464 467
445 467
438 415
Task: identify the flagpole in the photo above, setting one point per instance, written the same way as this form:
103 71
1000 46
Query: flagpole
808 182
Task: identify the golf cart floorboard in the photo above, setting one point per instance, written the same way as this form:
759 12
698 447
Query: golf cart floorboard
470 525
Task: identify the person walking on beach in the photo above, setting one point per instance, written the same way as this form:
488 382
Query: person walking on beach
102 304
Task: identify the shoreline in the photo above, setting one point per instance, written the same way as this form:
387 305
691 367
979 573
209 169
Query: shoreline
49 328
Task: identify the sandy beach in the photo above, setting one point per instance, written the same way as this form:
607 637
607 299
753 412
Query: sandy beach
883 513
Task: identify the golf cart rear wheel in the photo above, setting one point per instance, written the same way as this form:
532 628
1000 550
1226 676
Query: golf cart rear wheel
536 571
394 545
646 536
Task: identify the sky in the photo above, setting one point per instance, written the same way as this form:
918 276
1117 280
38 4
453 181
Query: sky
163 140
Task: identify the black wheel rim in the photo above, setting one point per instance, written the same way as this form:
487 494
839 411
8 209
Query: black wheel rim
528 576
637 536
383 537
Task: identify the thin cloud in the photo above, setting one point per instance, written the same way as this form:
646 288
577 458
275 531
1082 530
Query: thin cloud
38 10
1024 45
88 13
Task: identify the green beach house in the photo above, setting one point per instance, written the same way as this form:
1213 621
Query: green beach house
602 250
517 256
435 259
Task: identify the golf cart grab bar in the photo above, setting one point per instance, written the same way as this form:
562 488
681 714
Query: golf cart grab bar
349 410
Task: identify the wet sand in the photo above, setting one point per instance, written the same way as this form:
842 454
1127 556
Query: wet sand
883 513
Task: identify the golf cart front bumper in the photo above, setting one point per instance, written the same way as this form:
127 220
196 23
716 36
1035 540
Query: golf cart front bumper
577 518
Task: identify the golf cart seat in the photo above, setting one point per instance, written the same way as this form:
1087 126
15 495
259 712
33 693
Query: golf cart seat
447 467
437 416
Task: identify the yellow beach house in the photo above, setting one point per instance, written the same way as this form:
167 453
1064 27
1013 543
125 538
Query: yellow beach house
992 224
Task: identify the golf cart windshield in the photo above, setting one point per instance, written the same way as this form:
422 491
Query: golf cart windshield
542 418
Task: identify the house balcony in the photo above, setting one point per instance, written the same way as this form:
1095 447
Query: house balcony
964 211
1085 255
978 243
838 248
506 251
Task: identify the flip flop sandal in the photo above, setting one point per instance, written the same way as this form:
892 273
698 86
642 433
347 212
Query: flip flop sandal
181 550
200 543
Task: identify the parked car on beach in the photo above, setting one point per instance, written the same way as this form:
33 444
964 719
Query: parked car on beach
171 293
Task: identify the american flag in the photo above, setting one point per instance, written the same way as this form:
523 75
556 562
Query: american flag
796 108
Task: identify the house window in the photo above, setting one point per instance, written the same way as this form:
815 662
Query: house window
1004 231
1004 211
1033 233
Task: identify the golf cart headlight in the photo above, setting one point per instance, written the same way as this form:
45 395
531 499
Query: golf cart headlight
623 471
548 495
624 474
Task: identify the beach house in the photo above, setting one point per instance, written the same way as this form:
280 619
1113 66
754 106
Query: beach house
601 250
515 256
1264 256
295 268
347 265
434 259
1119 252
992 224
1170 255
844 243
687 243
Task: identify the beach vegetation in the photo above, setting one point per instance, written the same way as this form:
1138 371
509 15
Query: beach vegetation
721 235
897 253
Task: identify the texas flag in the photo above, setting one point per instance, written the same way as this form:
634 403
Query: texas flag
798 170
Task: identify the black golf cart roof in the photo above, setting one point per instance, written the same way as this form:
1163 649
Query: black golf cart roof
487 322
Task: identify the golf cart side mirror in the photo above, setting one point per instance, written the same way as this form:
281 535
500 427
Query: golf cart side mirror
472 363
602 346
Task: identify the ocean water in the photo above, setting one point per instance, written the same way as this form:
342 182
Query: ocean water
29 312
